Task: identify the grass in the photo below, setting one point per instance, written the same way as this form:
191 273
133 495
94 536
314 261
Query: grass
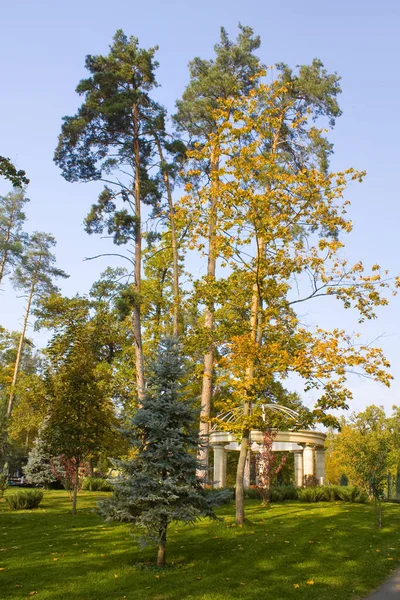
331 551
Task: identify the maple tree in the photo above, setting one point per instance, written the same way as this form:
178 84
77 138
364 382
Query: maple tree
281 218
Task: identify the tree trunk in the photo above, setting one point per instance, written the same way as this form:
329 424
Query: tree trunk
75 490
137 325
174 244
207 383
162 545
256 337
3 260
256 328
19 353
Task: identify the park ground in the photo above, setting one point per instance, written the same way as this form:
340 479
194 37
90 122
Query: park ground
290 550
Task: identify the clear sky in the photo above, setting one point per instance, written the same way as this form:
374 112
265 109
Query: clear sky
43 45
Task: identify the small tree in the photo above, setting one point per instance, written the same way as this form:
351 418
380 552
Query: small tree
38 469
159 484
268 465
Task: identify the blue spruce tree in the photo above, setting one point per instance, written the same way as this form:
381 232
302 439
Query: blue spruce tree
159 484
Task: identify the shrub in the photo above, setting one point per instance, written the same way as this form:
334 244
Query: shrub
96 484
331 494
24 500
279 493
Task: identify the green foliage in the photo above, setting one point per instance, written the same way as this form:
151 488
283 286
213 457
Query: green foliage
280 493
24 499
12 237
230 73
332 493
96 484
9 171
159 484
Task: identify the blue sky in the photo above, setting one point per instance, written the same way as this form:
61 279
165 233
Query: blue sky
42 49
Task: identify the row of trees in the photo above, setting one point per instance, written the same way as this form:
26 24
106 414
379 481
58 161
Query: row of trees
242 179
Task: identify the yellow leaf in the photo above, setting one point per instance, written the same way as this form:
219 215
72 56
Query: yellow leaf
296 586
115 575
310 582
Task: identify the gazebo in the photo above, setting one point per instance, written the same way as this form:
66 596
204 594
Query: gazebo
306 445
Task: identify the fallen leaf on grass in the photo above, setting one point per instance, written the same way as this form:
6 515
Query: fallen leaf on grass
296 586
116 575
198 578
32 593
310 582
18 585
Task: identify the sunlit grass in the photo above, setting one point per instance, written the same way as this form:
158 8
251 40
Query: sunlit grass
330 551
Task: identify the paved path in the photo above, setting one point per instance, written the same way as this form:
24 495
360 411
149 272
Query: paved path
390 590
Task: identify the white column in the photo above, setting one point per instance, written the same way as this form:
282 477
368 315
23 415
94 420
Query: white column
298 468
246 477
308 460
320 464
219 466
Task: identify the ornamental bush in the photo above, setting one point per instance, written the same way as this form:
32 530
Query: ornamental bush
333 493
96 484
24 499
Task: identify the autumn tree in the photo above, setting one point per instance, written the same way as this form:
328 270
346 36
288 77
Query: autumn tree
284 217
228 75
12 236
81 414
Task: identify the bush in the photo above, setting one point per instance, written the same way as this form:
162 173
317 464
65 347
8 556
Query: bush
279 493
96 484
332 493
24 500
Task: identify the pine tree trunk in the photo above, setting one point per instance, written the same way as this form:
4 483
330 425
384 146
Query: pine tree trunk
162 545
19 353
137 325
75 490
3 260
207 382
174 244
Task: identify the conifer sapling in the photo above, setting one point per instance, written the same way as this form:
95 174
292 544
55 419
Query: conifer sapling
159 484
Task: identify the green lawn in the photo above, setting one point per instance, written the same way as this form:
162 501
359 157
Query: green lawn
335 546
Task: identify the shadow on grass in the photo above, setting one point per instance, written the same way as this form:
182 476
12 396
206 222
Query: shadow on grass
330 551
